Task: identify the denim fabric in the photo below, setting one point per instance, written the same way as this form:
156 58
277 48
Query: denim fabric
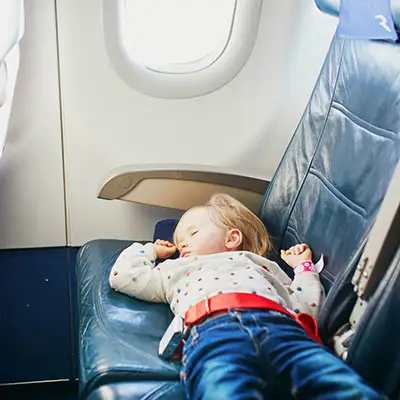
259 354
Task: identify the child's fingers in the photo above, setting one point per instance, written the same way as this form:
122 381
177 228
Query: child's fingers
295 250
165 243
285 253
292 250
298 249
302 248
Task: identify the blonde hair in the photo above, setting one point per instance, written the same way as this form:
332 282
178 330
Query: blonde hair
229 213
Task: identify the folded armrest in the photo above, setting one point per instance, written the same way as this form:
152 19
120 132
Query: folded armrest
180 186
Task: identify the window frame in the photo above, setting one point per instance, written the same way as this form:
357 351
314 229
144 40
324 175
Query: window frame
200 63
188 79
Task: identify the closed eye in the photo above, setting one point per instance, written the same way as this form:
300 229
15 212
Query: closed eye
194 232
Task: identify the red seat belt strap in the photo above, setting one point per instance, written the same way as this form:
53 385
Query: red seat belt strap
226 301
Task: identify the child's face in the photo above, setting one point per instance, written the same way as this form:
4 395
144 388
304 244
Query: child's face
197 235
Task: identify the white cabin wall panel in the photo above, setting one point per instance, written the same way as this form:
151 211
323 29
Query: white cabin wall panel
299 50
31 178
108 124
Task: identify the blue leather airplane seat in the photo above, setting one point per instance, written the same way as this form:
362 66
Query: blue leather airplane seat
374 350
326 191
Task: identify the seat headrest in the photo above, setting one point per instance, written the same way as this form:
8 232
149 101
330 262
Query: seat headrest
332 7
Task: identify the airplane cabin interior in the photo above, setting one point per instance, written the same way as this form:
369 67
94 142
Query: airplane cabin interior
118 116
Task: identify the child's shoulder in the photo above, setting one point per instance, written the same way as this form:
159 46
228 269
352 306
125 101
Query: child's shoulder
262 261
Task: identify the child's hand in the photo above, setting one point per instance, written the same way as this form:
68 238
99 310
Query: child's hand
296 255
164 249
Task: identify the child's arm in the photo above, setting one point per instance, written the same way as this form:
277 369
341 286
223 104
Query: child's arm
134 272
307 294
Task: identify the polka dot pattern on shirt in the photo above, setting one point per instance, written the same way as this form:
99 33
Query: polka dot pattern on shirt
198 279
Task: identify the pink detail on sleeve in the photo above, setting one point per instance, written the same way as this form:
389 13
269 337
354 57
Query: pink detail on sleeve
305 266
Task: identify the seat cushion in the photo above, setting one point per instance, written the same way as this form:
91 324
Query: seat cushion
118 335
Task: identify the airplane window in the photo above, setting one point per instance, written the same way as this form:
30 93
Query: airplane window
177 35
179 48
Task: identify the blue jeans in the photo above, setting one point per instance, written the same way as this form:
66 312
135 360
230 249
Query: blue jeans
261 354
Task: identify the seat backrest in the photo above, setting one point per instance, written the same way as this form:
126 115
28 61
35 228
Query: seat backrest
332 7
335 172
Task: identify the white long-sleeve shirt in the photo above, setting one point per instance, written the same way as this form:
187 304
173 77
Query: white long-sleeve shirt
186 281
